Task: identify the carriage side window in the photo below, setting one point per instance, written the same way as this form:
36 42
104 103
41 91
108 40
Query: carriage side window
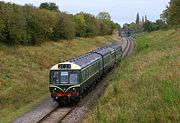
64 77
73 78
55 77
86 73
83 75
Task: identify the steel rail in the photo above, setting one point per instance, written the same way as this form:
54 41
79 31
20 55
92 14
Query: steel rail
126 51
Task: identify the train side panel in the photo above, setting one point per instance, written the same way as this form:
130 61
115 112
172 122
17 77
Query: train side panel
90 74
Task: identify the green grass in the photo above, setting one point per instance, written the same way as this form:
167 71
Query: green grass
145 87
24 71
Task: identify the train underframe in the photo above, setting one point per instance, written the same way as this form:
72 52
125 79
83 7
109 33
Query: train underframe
64 98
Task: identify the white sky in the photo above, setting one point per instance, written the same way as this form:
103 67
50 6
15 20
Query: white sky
121 11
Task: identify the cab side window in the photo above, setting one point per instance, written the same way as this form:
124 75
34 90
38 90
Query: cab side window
55 77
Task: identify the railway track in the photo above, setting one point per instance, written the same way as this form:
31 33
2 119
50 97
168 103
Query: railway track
78 114
128 47
58 114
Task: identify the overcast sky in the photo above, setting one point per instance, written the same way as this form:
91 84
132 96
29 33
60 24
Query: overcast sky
121 11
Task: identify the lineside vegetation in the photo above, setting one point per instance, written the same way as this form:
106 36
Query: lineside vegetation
30 25
169 18
24 71
145 87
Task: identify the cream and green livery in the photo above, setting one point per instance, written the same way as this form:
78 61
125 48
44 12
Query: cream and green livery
72 79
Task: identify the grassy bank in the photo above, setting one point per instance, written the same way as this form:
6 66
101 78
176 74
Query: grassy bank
146 86
24 71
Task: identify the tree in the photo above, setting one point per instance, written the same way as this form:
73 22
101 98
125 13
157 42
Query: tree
90 21
146 18
64 28
49 6
81 25
2 22
44 6
148 26
13 24
137 19
142 19
104 16
118 27
173 13
133 26
164 15
160 24
53 7
126 26
29 25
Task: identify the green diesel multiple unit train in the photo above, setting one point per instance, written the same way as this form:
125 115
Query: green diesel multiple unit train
70 80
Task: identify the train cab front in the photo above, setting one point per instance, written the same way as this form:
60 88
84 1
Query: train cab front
64 83
65 95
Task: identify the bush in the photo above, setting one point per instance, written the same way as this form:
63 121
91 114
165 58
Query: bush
64 27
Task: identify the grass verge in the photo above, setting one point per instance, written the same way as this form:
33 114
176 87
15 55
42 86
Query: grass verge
24 71
145 87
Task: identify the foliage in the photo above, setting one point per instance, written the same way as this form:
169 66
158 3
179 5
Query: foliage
49 6
106 19
89 25
118 26
173 13
24 71
104 16
148 26
13 24
160 24
137 19
29 25
144 88
163 16
146 18
64 27
143 20
153 26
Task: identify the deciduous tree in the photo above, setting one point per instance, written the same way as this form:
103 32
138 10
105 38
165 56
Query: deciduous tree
104 16
49 6
173 13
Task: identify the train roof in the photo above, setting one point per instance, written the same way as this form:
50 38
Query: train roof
103 51
115 45
86 59
79 62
